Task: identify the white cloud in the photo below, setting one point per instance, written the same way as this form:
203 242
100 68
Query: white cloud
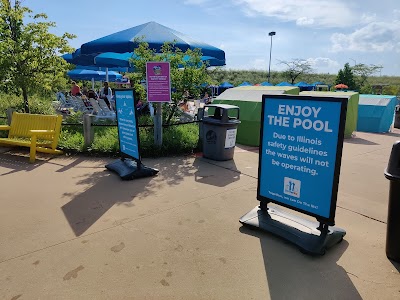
374 37
325 13
323 63
304 21
195 2
258 64
368 18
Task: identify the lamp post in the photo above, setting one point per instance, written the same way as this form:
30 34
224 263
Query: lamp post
271 34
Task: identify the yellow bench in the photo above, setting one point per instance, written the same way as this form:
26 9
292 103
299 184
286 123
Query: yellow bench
39 132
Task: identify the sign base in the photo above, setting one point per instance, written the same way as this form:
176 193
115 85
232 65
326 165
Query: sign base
295 229
129 170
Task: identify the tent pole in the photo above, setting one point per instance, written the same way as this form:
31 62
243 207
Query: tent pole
158 125
107 74
93 84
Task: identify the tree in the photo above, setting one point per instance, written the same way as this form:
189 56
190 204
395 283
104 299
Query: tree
296 68
29 54
188 72
346 77
363 72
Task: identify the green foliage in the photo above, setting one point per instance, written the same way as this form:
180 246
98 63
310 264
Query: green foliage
391 90
105 140
71 139
38 104
177 140
366 89
181 139
74 117
187 70
362 72
346 77
29 53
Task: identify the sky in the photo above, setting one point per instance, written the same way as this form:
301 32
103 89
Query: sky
326 33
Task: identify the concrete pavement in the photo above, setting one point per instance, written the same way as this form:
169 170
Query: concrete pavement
72 230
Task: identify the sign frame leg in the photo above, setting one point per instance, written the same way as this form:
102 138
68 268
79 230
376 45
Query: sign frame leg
312 237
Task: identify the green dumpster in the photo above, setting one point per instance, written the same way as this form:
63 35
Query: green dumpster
352 108
249 100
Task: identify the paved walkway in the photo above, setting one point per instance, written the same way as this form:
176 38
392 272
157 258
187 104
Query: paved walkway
71 230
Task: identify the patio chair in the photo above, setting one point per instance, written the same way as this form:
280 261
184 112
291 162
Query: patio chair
107 111
82 106
62 103
98 112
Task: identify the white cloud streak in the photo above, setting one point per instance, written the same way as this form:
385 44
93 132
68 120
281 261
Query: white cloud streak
374 37
323 13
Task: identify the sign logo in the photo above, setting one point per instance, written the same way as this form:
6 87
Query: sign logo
157 70
292 187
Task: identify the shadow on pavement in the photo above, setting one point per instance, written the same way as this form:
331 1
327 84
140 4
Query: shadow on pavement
206 174
293 275
359 141
395 134
16 163
107 189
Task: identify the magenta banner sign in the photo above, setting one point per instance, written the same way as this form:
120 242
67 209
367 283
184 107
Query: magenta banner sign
158 82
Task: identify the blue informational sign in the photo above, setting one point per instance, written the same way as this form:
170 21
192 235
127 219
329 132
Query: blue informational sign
300 153
127 123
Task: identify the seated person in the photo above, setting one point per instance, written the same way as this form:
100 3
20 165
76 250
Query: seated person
75 89
92 94
184 106
206 98
84 90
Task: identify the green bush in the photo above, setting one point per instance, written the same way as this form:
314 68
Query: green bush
105 140
71 139
37 105
180 139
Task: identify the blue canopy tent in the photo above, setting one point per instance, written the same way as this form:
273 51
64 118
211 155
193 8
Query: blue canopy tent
115 50
81 74
284 83
154 34
125 59
226 85
376 113
266 83
245 83
304 86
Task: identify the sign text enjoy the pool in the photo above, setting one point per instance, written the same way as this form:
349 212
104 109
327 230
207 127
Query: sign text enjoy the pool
300 153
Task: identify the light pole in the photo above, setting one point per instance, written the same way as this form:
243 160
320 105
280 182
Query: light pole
271 34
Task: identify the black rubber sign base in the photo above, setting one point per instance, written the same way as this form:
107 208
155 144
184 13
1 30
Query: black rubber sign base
307 235
128 169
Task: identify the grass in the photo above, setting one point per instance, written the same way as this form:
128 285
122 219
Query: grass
177 140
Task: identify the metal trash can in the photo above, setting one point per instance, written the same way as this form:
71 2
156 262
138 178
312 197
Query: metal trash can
393 221
397 117
219 131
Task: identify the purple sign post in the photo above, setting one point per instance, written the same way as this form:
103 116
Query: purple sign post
158 82
158 90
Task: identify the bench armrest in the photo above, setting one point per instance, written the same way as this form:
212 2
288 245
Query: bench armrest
41 132
5 127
